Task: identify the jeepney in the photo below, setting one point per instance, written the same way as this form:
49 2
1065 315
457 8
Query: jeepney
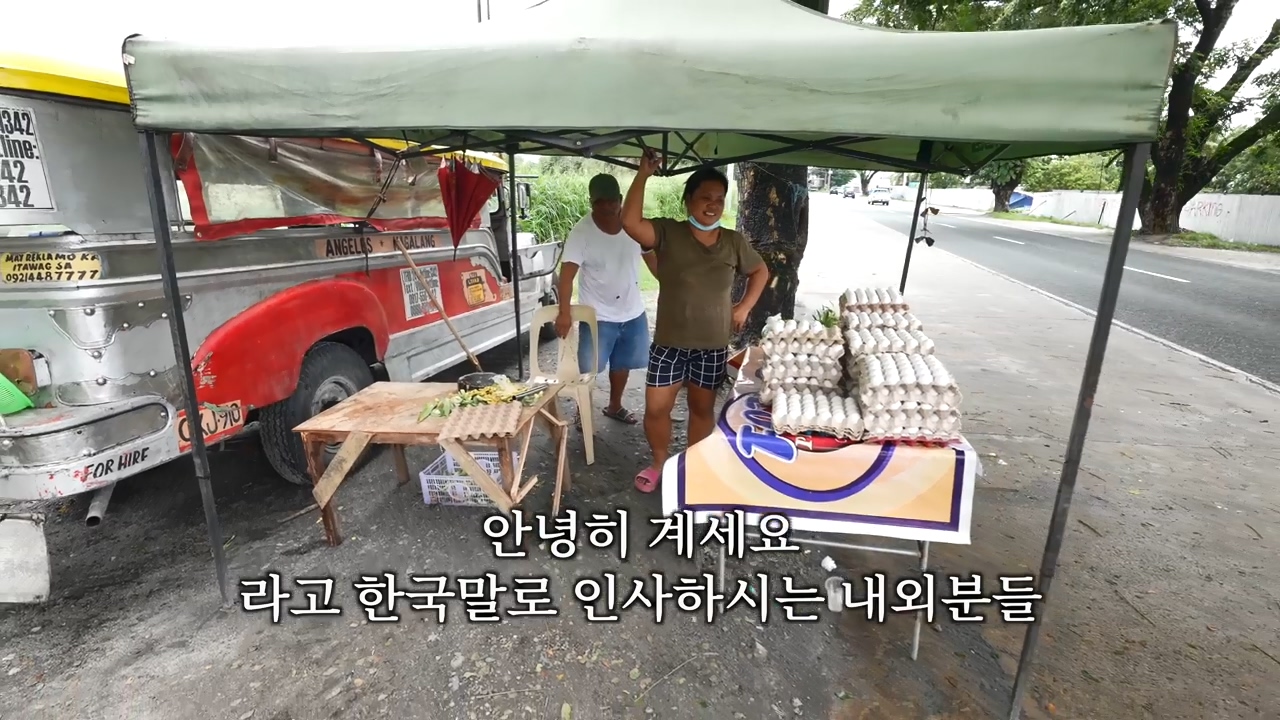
292 304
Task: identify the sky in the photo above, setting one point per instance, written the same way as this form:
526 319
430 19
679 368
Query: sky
91 33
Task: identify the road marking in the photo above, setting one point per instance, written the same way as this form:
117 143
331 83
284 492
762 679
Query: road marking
1248 377
1155 274
1015 242
953 227
1272 387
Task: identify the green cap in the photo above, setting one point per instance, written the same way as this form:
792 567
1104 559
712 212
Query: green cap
604 187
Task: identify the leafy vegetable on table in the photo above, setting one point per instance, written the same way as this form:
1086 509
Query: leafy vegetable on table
492 395
827 316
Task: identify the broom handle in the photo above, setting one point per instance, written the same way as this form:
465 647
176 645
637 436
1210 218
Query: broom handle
449 323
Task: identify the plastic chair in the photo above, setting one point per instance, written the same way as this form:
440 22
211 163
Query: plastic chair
577 384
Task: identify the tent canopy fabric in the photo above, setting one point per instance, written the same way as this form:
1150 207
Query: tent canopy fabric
736 78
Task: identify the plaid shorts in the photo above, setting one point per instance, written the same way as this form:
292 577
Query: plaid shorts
674 366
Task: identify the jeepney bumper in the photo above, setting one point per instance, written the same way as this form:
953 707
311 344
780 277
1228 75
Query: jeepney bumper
57 452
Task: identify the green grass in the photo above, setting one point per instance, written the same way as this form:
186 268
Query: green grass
1213 242
1038 218
559 201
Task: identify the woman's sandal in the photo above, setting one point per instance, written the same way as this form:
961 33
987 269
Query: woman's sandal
647 480
622 415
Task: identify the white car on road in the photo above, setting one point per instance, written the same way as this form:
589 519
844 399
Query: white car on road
879 196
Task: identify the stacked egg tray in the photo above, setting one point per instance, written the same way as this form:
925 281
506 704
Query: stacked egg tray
907 398
873 300
800 355
805 411
803 378
878 333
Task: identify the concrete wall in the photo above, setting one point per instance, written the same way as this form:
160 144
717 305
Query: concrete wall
1240 218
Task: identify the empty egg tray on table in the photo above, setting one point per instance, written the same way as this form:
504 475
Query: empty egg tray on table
482 421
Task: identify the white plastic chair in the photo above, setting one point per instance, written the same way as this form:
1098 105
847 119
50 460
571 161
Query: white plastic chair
577 384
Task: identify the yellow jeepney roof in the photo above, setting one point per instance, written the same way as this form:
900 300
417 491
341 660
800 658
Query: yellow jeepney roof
54 77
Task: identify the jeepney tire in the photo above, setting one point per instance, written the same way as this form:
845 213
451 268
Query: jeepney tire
329 370
547 332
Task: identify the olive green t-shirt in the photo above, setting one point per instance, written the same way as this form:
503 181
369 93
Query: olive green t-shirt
695 282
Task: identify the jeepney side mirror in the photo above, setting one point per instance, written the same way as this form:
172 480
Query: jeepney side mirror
523 192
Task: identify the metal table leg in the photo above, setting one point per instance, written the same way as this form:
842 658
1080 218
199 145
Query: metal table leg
924 567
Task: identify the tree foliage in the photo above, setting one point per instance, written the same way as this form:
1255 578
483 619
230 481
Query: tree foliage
1255 171
1187 156
1095 171
840 178
1003 176
945 180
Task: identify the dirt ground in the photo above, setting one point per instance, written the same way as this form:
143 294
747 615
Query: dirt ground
1167 604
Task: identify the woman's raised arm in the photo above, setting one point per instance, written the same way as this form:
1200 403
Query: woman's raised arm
633 221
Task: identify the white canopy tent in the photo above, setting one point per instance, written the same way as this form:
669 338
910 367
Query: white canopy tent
711 82
747 76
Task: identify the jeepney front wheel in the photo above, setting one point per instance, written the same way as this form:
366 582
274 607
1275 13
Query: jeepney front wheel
331 372
547 332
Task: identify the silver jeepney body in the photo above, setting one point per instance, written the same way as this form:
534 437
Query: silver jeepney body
109 407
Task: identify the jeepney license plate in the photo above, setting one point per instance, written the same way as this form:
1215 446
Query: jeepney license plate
217 421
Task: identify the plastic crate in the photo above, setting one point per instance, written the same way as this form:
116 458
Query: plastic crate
444 482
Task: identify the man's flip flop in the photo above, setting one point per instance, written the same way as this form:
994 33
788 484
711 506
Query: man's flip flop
647 480
621 415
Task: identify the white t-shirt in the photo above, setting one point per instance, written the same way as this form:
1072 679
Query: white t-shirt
608 271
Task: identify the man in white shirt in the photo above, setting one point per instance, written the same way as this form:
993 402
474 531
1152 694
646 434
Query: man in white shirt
606 262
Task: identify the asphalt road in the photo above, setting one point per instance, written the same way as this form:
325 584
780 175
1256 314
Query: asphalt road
1226 313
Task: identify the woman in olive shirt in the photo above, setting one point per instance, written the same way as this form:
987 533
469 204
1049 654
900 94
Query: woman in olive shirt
697 260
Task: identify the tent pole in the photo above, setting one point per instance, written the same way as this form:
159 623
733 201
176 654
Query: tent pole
911 236
1135 167
178 330
514 218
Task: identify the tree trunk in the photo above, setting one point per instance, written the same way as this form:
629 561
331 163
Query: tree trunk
1162 215
865 179
1003 192
773 212
773 202
1159 206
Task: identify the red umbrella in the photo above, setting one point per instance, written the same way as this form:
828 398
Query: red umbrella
465 190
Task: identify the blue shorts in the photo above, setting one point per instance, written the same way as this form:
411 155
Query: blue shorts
623 345
674 366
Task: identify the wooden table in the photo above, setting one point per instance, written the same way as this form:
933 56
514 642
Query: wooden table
386 413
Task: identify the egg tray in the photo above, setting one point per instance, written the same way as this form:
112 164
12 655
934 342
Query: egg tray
482 421
828 413
802 367
887 381
775 349
873 299
850 320
866 341
776 329
918 427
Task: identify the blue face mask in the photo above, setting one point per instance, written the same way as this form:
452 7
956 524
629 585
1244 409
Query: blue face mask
704 228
